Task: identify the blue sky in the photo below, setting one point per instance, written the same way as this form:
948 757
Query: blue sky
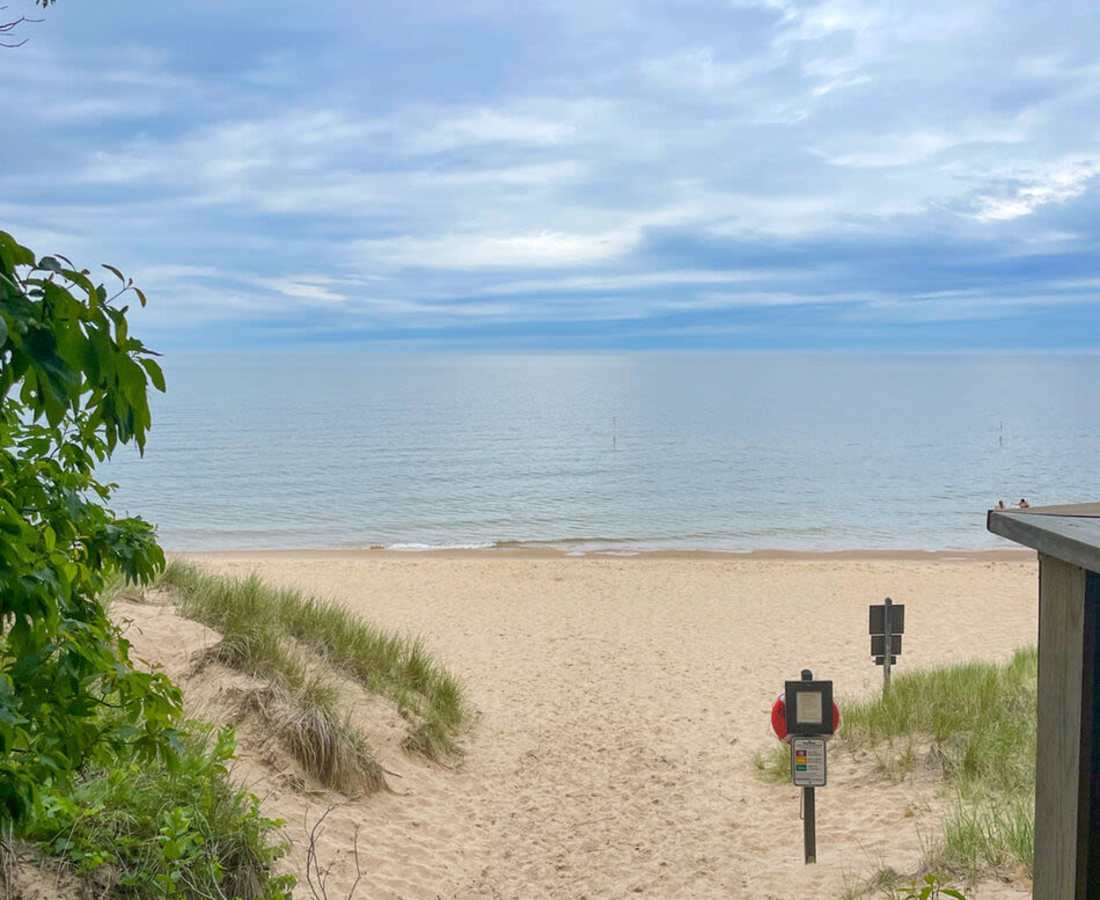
747 173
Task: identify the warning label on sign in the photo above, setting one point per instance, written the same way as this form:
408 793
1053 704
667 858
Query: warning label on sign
808 761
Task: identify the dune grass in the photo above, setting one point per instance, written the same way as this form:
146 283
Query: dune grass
977 721
261 624
774 764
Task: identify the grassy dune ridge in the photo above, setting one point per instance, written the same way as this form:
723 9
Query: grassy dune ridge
979 719
262 626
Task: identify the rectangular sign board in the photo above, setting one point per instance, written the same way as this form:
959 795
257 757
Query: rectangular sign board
808 761
878 619
881 660
809 707
878 644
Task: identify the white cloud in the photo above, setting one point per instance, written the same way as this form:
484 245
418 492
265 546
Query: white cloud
604 283
698 69
175 272
490 251
1055 184
489 126
313 288
534 174
894 150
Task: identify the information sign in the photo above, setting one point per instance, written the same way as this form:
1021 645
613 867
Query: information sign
808 761
878 644
887 624
880 618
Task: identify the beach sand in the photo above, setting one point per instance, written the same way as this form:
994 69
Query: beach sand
619 704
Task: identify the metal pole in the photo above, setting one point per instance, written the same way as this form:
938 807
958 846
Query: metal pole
809 813
886 659
809 825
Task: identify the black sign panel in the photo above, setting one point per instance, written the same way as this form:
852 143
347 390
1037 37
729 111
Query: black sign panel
809 707
881 660
878 644
897 619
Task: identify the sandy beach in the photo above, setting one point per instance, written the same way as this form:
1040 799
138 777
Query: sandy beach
619 703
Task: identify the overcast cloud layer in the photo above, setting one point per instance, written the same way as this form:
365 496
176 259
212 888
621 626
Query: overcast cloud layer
570 174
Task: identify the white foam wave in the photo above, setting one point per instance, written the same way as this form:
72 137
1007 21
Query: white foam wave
413 547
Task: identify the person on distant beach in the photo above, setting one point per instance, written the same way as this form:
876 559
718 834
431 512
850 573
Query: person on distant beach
1023 504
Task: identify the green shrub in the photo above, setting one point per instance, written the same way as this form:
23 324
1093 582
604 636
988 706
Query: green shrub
156 831
73 386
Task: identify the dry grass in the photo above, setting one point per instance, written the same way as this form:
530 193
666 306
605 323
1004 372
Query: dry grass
327 746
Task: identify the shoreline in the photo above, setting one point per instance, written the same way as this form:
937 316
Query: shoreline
548 553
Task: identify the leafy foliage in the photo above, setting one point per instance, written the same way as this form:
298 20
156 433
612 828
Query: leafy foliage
73 386
155 831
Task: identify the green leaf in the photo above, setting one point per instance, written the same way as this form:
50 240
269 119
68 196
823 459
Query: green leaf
156 375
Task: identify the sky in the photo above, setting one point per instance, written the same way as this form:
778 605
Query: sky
570 173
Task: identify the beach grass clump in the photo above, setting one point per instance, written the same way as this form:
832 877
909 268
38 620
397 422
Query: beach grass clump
301 706
261 623
312 727
774 764
977 720
147 829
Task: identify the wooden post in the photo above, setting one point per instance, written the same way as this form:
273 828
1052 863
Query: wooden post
1067 778
1066 796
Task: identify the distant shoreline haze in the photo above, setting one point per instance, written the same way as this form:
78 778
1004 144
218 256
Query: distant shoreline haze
609 452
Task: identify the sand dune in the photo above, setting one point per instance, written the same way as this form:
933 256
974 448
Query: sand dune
620 702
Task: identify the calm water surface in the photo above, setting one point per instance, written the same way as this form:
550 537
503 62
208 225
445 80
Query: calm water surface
339 447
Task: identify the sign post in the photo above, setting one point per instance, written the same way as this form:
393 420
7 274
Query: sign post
805 716
808 771
888 651
886 628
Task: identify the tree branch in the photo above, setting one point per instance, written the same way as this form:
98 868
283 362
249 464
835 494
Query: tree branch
10 26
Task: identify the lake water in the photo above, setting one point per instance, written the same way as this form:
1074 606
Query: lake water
347 447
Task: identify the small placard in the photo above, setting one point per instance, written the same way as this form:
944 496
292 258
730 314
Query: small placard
808 761
878 619
878 644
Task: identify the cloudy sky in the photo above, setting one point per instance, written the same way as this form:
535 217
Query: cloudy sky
570 173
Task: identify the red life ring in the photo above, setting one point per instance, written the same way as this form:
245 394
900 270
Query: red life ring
779 718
